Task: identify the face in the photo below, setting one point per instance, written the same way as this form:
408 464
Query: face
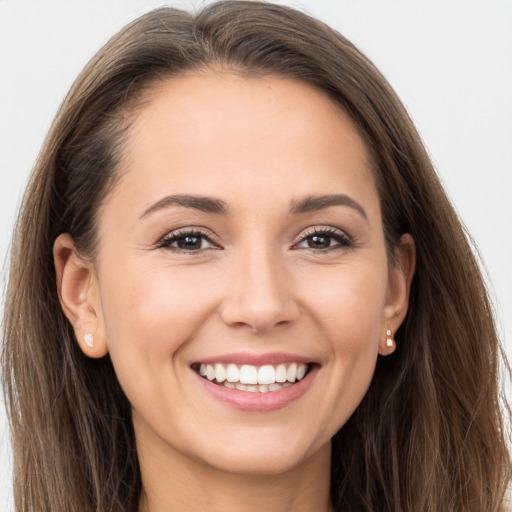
242 247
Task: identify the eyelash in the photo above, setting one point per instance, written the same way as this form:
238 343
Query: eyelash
341 237
166 241
344 240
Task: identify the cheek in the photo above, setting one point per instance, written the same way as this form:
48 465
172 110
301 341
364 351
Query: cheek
151 314
348 303
348 315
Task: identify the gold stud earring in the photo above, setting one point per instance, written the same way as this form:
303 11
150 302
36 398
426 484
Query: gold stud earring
89 339
390 340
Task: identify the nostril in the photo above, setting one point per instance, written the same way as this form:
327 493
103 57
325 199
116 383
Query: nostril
260 305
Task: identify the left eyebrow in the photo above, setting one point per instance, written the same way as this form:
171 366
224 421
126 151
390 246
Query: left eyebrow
201 203
315 203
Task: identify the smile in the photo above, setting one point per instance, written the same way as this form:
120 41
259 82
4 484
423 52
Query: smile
256 379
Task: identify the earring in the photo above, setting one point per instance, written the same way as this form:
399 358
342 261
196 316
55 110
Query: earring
89 339
390 340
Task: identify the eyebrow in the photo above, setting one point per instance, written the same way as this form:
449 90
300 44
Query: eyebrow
204 204
315 203
219 207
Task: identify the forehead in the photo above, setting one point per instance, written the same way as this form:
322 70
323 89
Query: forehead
219 132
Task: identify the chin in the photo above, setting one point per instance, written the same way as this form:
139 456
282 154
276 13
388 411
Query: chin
263 455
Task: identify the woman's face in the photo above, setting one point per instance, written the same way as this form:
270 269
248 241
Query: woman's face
243 240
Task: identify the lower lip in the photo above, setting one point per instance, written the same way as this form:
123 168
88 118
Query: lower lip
255 401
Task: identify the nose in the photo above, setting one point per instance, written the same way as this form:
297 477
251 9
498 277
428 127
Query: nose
259 293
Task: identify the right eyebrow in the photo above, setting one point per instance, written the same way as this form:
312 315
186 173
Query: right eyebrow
204 204
315 203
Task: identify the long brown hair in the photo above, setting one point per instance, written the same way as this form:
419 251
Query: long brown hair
429 434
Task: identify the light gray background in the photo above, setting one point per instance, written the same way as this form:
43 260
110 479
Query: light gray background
449 60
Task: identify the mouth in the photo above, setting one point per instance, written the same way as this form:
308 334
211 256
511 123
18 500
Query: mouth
266 378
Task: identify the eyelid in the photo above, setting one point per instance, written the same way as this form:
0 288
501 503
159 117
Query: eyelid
330 231
188 230
343 238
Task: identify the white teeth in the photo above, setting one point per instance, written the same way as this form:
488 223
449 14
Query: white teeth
262 388
220 373
266 375
281 373
253 378
248 374
232 373
301 371
291 374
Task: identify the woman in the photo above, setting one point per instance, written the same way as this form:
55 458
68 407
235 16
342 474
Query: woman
261 301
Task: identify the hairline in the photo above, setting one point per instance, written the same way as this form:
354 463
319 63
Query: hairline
127 114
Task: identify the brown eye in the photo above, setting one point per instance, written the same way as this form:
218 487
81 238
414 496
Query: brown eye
187 241
319 242
325 239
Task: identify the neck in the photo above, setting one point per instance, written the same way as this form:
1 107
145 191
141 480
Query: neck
172 481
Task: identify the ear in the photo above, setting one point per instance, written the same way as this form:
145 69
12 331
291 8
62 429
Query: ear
79 297
399 286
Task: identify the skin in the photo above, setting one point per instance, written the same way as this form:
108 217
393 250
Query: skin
259 287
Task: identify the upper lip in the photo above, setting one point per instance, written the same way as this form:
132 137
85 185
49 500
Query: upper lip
241 358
